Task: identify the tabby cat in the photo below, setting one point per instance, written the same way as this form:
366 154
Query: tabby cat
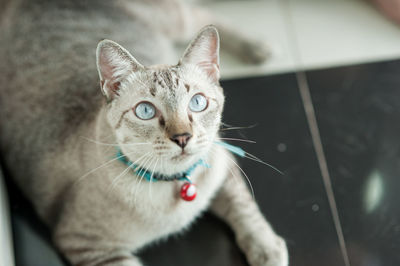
89 161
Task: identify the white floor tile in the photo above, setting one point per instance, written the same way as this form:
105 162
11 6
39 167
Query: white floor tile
309 34
261 19
342 32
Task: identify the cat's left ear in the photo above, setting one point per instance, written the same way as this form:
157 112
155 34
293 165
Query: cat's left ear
114 63
203 52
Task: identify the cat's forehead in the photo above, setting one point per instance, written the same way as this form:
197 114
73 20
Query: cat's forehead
174 81
168 85
166 79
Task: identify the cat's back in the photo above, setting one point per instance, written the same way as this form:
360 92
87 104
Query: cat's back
43 64
49 84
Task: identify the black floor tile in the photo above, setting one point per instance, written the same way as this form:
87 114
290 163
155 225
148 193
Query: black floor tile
358 113
209 242
295 203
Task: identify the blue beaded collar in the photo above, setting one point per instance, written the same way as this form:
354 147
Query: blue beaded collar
154 177
182 176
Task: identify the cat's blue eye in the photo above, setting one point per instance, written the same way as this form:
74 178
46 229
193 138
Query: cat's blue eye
198 103
145 110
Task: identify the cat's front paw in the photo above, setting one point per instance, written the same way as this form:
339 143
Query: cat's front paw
265 252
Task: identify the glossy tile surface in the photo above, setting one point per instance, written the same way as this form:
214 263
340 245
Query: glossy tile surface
295 203
358 113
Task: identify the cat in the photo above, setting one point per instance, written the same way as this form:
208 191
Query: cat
79 153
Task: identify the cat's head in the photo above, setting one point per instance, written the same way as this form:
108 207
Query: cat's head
164 117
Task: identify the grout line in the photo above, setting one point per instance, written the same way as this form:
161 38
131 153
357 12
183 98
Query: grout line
316 138
304 89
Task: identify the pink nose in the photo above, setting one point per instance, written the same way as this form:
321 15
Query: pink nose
181 139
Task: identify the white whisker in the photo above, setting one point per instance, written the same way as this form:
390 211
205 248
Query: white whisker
115 180
235 139
114 144
229 167
237 128
102 165
135 186
142 168
254 158
248 180
151 181
141 177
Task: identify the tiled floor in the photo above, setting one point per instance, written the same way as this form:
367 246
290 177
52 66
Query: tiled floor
296 202
309 34
357 114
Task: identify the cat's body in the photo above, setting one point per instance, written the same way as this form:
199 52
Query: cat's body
50 105
44 44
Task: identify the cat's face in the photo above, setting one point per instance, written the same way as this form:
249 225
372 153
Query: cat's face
165 118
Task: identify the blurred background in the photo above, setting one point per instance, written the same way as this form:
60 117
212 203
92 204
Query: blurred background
324 109
312 34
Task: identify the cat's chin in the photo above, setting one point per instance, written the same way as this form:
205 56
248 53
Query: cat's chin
181 162
182 157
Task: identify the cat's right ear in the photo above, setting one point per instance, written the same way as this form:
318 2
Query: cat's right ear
114 63
203 52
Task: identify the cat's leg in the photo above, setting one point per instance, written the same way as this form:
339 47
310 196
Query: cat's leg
235 205
85 248
95 230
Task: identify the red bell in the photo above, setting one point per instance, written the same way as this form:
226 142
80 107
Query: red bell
188 191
